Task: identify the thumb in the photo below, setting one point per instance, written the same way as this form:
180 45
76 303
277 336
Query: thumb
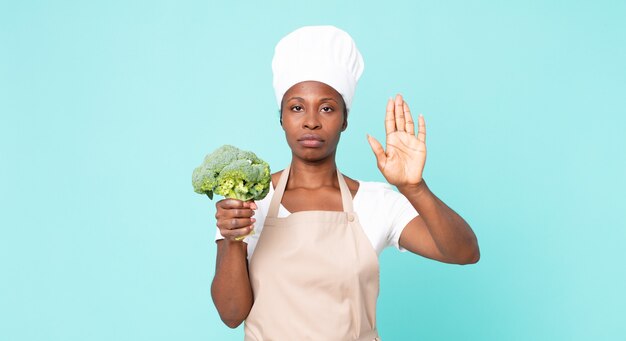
378 150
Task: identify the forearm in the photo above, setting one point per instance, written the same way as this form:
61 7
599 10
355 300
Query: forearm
451 233
231 290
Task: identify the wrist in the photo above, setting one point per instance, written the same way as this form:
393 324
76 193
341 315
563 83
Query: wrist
413 189
234 244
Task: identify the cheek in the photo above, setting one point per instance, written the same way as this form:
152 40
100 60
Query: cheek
289 127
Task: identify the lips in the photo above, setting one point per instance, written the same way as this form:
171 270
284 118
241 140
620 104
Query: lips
310 140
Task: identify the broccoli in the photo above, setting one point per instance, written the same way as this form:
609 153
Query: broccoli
232 173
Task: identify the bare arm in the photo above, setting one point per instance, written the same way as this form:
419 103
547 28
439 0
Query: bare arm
438 232
231 289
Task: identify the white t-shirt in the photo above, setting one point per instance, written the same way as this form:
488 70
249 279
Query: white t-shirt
382 212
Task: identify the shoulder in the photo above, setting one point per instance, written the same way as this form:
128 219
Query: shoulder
353 185
383 213
276 178
376 196
375 188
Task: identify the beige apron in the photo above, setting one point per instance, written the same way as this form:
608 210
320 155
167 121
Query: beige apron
314 275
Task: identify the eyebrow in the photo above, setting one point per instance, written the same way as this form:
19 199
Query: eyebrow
321 99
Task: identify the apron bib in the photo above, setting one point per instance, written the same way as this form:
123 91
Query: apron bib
314 275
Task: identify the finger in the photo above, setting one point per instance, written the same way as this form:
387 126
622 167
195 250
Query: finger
399 113
390 120
231 203
238 234
251 204
240 238
410 125
234 223
377 148
223 213
421 126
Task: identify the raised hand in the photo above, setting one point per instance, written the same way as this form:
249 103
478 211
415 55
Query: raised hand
403 160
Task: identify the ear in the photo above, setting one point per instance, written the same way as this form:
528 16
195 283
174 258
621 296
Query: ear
344 126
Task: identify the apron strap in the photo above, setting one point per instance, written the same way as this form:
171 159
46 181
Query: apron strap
346 196
278 193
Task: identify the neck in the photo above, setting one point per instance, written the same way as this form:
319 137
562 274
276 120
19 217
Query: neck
312 175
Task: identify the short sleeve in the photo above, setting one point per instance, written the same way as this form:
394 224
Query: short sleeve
218 235
401 212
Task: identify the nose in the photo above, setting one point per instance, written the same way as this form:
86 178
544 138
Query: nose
311 121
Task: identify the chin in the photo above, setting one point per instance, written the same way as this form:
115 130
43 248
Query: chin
313 155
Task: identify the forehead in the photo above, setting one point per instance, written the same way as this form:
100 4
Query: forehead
312 89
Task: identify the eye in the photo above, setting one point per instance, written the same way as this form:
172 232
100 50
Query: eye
327 109
296 108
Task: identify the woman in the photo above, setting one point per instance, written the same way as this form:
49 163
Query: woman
312 274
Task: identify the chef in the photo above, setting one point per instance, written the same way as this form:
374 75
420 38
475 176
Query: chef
302 263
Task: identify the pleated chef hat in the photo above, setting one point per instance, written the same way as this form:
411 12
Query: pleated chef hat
317 53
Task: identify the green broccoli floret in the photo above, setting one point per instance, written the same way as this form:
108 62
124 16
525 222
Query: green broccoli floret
232 173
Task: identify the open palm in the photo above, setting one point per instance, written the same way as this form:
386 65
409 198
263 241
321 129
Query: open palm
403 160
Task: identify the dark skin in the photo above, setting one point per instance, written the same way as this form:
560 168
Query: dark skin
315 110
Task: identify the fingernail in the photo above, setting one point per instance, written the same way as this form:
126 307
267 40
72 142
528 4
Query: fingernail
253 220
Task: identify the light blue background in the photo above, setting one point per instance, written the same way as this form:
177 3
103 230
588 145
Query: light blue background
106 108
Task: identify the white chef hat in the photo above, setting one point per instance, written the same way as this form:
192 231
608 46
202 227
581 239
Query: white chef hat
317 53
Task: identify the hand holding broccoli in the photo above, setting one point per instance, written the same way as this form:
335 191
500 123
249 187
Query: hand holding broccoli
235 218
